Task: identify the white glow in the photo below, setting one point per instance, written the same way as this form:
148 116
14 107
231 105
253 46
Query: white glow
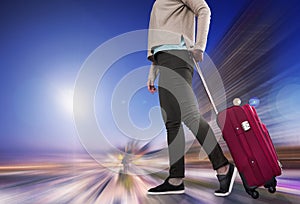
65 99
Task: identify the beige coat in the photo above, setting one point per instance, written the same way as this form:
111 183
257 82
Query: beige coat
170 19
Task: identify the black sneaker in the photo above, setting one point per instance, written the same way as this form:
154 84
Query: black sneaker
226 181
166 188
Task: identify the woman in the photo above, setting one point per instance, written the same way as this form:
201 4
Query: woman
171 48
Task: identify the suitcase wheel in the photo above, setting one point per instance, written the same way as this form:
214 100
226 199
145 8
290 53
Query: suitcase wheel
271 185
254 194
272 189
250 190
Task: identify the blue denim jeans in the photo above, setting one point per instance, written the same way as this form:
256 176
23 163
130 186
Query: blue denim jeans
178 104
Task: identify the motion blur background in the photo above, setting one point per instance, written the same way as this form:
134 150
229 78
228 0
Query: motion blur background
254 45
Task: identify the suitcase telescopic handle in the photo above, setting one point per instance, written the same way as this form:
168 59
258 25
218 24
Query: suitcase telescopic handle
205 86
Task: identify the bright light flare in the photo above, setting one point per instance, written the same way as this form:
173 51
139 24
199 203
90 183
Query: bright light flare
65 99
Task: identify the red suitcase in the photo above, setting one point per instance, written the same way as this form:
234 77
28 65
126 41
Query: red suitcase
251 148
250 145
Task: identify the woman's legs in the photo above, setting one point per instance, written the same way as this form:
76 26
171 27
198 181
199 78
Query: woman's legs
178 104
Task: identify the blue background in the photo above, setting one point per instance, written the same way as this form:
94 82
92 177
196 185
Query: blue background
44 43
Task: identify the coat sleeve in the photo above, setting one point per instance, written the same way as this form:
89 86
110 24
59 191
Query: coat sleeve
203 14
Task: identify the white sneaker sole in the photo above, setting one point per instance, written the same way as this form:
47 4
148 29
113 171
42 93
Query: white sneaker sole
166 192
230 186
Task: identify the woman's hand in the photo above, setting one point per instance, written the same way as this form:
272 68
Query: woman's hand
153 72
198 55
